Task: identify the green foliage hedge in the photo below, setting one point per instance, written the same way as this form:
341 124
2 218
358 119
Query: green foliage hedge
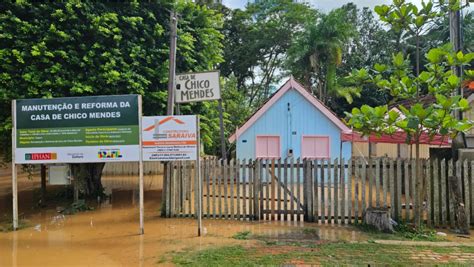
76 48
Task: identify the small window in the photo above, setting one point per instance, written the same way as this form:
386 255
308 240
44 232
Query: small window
268 147
315 147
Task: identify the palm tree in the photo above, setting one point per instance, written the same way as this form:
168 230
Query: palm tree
317 51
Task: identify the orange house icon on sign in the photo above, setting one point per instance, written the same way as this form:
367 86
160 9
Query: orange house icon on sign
157 123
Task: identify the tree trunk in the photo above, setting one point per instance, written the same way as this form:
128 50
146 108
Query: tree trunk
419 187
417 62
320 89
379 218
43 184
307 82
89 178
369 149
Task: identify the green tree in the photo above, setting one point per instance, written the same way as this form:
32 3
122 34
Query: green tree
399 80
256 42
411 23
402 81
438 34
363 52
79 48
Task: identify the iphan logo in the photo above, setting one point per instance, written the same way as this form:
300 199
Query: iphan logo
109 154
41 156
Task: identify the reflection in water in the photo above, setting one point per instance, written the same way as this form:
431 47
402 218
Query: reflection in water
140 251
14 249
58 220
38 228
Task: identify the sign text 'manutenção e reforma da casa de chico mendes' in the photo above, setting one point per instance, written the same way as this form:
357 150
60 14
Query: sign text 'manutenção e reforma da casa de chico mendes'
77 129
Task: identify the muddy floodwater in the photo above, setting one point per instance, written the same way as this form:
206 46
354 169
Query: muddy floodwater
108 235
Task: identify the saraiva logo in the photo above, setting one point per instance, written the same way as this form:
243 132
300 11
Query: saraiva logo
156 126
109 154
41 156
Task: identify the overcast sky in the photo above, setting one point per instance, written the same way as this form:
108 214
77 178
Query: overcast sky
325 5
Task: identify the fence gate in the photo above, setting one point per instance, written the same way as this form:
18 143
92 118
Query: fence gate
318 190
281 187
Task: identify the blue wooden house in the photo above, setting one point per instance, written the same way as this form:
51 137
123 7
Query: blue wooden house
292 123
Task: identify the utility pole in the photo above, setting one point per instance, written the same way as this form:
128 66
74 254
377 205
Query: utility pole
166 200
459 141
455 38
221 122
172 65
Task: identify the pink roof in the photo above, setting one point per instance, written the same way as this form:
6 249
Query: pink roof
290 84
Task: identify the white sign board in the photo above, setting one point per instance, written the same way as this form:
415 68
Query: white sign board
194 87
59 175
168 138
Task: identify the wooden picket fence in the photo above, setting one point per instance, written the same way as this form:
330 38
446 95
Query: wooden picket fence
320 191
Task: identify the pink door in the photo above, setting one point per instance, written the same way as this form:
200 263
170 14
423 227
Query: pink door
268 147
315 147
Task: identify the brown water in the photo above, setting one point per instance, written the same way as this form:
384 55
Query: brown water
109 238
108 235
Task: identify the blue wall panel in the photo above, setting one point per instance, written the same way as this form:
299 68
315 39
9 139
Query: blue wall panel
291 117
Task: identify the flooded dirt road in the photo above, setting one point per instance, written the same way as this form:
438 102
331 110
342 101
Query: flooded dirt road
108 235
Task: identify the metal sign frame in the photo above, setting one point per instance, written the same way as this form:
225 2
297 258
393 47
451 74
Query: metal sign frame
15 178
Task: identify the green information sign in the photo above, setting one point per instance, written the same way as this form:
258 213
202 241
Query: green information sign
106 127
